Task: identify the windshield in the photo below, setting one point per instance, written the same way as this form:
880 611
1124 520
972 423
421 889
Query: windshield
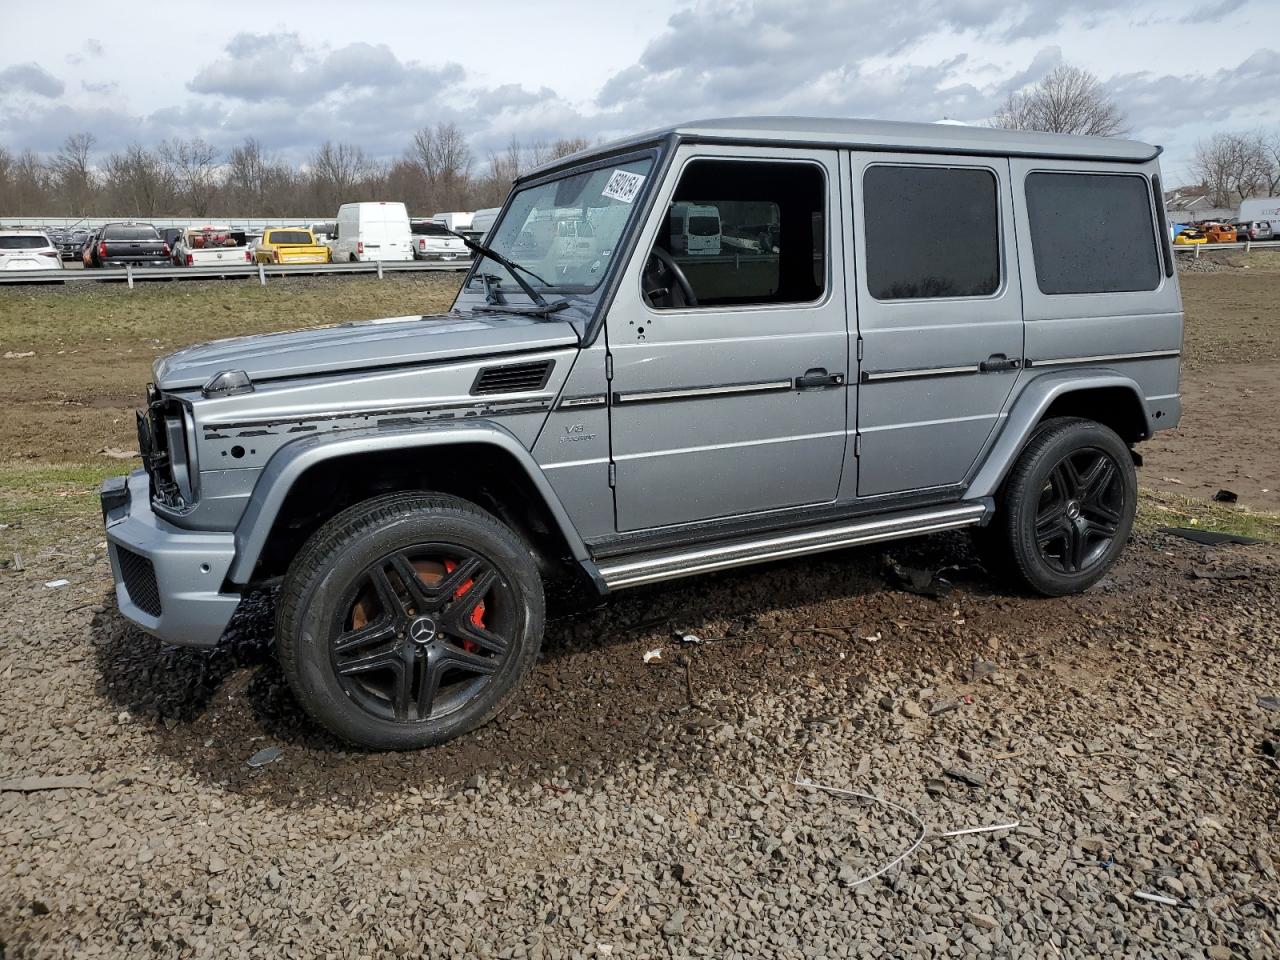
566 230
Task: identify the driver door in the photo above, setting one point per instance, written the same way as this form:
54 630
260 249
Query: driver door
737 404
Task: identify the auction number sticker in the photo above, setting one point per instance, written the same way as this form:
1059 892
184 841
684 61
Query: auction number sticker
623 186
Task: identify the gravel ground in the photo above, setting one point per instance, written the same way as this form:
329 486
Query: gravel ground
647 810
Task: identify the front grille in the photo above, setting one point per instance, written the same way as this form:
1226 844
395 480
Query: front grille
513 377
139 580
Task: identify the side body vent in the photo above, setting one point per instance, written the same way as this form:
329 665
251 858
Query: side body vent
513 377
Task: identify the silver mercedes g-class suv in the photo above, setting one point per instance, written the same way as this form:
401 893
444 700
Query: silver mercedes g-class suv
851 331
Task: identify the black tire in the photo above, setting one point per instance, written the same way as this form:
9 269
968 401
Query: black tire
352 625
1067 508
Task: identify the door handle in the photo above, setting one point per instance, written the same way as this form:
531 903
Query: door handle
817 378
998 362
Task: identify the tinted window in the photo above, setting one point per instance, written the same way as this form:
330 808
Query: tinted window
429 230
931 232
289 236
136 232
1092 233
23 243
743 233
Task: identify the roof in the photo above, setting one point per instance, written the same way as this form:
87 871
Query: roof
888 135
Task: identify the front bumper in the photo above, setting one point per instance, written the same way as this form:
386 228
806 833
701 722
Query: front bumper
168 579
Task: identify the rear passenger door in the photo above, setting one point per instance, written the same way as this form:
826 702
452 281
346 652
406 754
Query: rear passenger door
939 315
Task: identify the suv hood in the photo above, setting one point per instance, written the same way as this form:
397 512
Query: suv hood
394 341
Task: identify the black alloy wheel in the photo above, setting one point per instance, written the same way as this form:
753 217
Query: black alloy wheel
1065 511
421 632
1080 510
409 619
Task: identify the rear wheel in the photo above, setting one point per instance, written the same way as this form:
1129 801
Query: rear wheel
408 620
1067 508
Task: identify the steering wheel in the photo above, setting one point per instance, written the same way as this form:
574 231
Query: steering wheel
668 261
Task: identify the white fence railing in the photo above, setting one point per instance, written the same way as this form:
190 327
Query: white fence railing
1195 248
260 270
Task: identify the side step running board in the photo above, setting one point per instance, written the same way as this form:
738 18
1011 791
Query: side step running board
703 559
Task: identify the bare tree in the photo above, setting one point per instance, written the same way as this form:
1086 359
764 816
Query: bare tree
444 156
256 181
138 182
1067 100
195 172
339 173
73 173
1236 166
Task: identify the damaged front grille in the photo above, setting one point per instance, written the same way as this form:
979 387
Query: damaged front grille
162 444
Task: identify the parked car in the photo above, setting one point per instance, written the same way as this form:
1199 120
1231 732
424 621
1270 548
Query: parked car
1254 230
411 485
372 231
324 231
210 246
126 243
1189 236
290 245
432 241
171 235
28 250
1219 232
71 242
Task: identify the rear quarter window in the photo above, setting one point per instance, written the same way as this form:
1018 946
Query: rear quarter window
1092 233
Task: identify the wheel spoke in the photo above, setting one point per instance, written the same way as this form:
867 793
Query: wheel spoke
383 660
403 692
413 585
1097 479
429 685
460 659
1049 522
379 631
1077 548
1102 529
389 600
1069 478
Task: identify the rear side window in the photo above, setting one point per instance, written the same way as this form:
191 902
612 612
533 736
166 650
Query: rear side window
931 232
1092 233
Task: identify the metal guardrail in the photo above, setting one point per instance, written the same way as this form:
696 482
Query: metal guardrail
1195 248
260 270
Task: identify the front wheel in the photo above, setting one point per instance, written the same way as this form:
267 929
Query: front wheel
408 620
1068 506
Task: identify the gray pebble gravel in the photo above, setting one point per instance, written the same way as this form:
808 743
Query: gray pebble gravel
606 815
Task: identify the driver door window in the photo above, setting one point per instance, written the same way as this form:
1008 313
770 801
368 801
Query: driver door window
741 234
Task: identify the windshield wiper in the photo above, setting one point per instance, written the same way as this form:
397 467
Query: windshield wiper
513 268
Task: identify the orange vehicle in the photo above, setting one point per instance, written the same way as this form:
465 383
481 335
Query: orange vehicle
1219 232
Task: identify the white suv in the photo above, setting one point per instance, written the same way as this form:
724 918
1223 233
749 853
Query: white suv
28 250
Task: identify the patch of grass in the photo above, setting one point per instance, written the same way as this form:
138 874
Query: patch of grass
1157 509
44 505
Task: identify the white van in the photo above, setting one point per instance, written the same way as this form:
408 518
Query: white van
482 221
372 231
695 229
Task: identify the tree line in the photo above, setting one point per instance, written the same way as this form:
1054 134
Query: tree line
192 178
1231 167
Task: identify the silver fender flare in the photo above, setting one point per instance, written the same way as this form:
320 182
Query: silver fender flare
288 464
1029 407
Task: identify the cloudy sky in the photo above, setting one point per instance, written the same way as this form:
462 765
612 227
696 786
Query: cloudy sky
371 73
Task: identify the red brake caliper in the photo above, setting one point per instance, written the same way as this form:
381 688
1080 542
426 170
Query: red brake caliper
477 615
